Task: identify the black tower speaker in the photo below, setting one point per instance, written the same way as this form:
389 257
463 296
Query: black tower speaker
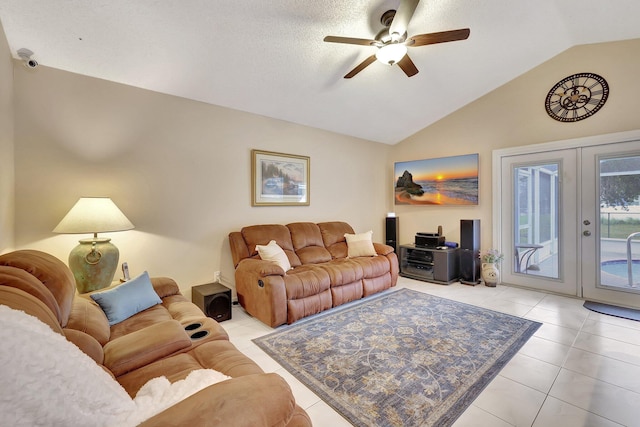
392 232
213 299
470 234
470 251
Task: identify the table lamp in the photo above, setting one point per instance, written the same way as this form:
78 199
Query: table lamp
94 261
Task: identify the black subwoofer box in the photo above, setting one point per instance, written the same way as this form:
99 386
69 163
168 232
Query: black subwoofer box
214 299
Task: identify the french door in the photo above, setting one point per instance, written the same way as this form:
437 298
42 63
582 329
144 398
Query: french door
567 217
538 212
610 223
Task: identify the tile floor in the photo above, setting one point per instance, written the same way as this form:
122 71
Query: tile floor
580 368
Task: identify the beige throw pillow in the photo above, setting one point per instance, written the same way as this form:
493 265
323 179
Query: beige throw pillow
360 244
274 253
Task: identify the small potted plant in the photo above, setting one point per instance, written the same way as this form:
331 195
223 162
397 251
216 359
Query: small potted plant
490 272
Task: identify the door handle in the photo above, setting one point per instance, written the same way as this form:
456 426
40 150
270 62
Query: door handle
586 222
586 233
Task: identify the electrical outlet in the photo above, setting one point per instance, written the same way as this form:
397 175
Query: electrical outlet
216 276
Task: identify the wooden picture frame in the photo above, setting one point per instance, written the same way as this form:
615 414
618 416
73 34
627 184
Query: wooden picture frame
279 179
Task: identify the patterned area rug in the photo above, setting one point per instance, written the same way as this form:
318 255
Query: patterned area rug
402 358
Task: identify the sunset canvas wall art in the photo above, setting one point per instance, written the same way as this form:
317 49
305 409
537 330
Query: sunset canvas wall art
442 181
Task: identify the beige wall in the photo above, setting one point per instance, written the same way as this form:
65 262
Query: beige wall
514 115
179 169
6 146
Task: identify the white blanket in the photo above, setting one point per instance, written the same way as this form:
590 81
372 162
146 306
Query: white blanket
46 380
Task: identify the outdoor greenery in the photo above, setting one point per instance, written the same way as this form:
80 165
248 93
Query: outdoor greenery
619 182
545 228
618 228
610 227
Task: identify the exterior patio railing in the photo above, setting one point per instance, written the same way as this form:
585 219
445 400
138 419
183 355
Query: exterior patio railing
630 259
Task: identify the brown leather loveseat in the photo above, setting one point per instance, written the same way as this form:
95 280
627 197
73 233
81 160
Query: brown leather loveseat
322 275
155 342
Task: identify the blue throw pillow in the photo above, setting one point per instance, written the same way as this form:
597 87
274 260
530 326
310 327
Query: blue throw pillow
127 299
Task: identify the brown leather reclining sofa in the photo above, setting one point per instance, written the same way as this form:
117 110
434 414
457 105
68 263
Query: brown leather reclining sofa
322 277
150 344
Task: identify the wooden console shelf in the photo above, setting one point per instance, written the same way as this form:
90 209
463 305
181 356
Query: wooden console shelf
429 264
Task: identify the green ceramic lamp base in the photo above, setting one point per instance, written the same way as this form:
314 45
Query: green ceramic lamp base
94 263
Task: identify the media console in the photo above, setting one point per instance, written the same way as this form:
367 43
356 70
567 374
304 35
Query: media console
429 264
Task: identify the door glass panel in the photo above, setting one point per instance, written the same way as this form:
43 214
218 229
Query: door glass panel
620 222
536 237
538 230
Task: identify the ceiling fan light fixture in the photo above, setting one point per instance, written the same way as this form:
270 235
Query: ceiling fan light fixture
391 53
392 40
395 37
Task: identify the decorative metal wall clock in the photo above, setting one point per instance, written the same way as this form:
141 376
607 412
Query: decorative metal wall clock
577 97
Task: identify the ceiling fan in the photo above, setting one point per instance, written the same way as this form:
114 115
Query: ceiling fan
392 42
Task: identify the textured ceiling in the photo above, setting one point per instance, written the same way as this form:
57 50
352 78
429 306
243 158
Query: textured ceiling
269 58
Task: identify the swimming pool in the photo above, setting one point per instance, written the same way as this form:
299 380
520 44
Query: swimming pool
618 267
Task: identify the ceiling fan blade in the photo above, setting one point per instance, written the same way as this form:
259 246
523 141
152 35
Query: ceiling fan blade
441 37
408 66
364 64
351 40
403 16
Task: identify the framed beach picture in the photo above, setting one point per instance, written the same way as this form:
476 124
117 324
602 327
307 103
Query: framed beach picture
442 181
279 179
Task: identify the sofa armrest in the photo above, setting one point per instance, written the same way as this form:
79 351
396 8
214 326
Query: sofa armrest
260 267
261 291
145 346
382 249
165 286
251 400
85 342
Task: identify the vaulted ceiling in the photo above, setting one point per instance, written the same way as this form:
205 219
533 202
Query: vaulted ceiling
269 58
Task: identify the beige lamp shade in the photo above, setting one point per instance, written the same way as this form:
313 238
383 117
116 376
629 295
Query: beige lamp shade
93 215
